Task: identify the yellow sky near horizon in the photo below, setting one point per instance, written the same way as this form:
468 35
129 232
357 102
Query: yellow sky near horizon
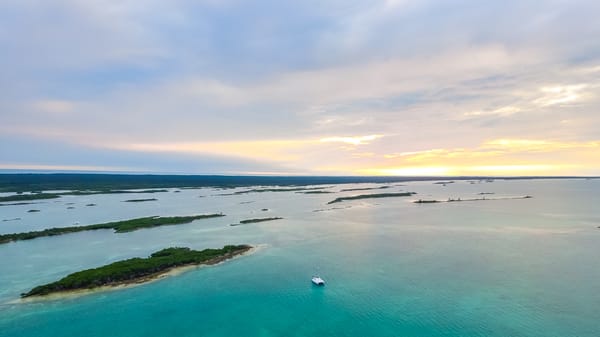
360 155
312 90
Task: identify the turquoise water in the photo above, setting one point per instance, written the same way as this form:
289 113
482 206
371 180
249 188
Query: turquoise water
525 267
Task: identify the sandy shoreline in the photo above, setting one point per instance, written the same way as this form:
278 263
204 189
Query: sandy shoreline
69 294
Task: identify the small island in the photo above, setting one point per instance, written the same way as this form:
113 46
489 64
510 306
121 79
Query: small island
426 201
118 226
20 203
365 188
42 196
92 192
243 222
280 189
137 270
433 201
371 196
316 192
27 197
140 200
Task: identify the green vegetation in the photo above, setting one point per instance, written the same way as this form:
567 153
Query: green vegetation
19 204
118 226
25 197
290 189
140 200
365 189
421 201
101 182
370 196
137 270
88 192
471 199
243 222
444 182
316 192
40 196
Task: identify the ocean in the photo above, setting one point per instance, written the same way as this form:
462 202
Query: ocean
496 267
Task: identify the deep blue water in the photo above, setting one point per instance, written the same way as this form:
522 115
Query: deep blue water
521 267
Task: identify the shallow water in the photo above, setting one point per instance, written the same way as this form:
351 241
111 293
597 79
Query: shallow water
523 267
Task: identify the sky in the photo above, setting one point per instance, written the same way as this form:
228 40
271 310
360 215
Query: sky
328 87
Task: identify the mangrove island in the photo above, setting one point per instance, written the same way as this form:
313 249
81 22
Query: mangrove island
243 222
140 200
370 196
118 226
433 201
137 270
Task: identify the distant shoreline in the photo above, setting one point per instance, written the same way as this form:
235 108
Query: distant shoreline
27 182
451 200
122 226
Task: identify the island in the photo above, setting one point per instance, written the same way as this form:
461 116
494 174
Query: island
280 189
243 222
316 192
426 201
27 197
20 203
444 183
137 270
365 188
42 196
140 200
118 226
92 192
370 196
433 201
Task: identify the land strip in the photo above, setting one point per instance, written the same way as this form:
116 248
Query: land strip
371 196
137 270
118 226
244 222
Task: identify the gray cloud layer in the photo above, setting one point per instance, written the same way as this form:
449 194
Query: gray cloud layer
423 74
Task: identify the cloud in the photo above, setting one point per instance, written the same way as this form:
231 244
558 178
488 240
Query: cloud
497 157
289 84
54 106
555 95
359 140
537 145
501 112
